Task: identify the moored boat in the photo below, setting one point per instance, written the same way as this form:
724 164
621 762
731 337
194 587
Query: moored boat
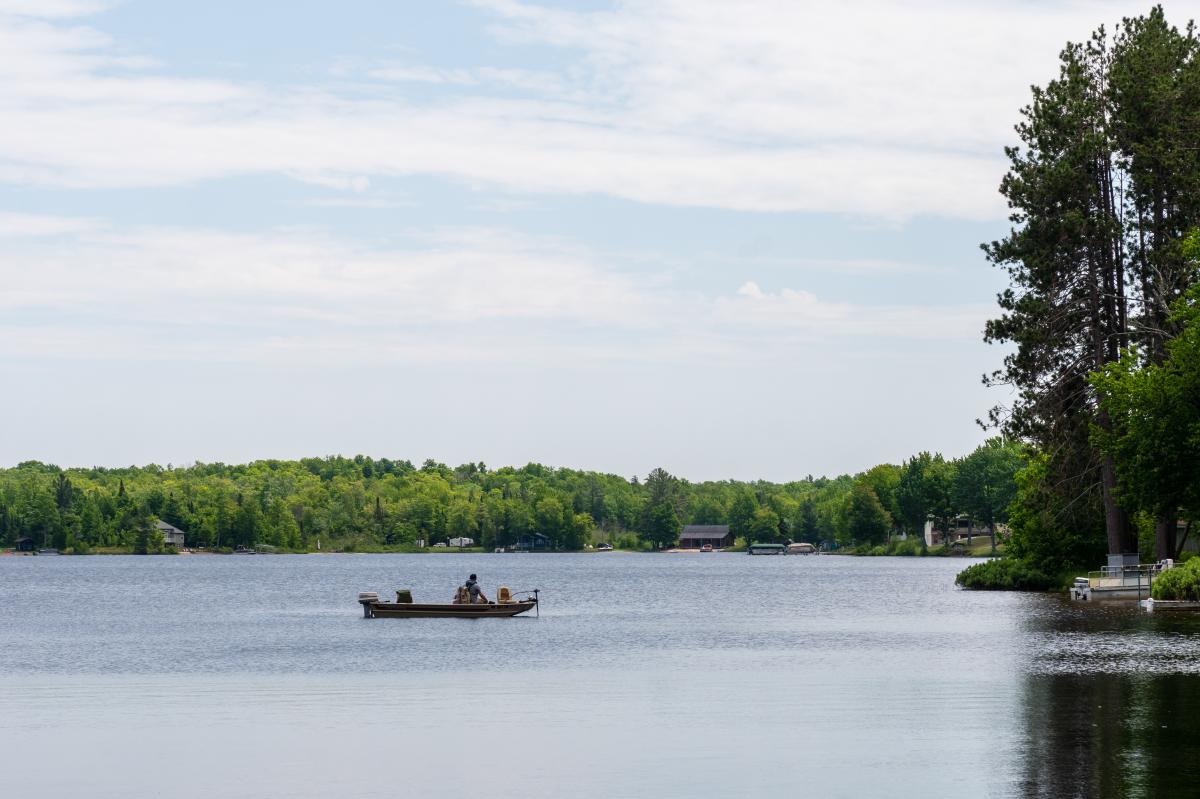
1123 579
404 608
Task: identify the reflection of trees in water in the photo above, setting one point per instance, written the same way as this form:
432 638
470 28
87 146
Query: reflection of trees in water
1110 735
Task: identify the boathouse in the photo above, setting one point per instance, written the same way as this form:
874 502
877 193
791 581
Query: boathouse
532 542
695 536
24 544
172 535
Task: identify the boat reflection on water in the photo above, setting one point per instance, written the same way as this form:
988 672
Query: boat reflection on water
1111 707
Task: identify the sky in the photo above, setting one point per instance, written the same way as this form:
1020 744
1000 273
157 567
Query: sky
732 240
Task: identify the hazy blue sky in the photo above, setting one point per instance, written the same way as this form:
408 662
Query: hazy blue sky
729 239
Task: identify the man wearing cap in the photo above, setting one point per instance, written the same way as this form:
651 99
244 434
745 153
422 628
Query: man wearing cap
472 586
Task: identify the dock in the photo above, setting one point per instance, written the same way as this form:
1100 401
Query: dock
1152 605
1124 579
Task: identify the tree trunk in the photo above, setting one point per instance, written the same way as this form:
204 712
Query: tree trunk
1116 520
1164 537
992 530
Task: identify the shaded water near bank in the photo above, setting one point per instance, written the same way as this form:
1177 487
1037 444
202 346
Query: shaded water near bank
646 675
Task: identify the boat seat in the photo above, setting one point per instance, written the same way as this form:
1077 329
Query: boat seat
503 595
462 596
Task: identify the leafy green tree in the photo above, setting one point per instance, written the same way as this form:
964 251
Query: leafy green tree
807 527
1066 310
764 527
1052 531
63 492
660 516
172 512
866 517
146 539
549 519
8 525
924 491
247 524
708 510
1154 90
1154 111
461 521
661 526
1155 438
741 514
281 528
580 533
884 480
985 482
1104 191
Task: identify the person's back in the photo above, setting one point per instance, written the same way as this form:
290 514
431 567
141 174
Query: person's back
472 586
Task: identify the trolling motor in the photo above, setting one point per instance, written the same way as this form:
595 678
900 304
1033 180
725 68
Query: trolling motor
533 593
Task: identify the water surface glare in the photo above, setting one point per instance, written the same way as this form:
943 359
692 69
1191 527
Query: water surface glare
646 675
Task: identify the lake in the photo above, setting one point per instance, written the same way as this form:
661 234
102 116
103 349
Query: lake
712 675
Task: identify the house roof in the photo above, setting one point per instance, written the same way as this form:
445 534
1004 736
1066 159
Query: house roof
161 525
705 531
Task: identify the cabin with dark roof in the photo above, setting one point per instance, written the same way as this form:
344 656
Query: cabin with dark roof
532 542
172 535
695 536
24 544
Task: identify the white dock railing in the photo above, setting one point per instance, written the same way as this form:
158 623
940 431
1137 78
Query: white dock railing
1116 577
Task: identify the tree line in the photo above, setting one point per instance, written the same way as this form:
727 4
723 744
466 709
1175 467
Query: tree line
1104 189
362 503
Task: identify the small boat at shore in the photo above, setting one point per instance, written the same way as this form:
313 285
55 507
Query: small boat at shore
404 608
801 548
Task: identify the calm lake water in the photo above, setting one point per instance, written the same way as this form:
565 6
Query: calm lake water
645 676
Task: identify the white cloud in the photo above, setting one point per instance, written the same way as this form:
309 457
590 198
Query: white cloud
356 183
521 79
13 225
802 312
475 295
49 8
358 201
881 109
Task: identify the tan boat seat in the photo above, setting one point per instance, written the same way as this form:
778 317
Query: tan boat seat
503 595
462 596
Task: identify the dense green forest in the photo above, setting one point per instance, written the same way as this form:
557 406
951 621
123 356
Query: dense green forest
1103 308
363 503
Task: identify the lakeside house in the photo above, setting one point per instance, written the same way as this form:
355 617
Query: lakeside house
531 542
695 536
24 545
172 535
961 528
462 542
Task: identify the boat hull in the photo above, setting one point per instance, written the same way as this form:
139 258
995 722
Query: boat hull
405 610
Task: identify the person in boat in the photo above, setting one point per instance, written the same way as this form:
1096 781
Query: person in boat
474 592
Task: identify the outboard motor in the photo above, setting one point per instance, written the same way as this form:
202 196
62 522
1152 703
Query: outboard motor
367 599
